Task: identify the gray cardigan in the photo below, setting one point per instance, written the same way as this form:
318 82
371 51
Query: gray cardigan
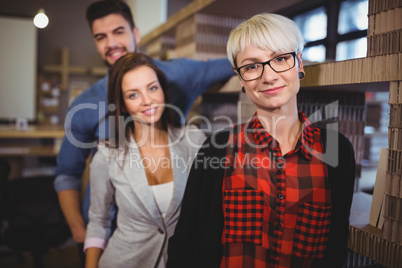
140 239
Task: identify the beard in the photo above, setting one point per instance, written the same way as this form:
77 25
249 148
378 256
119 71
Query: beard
107 64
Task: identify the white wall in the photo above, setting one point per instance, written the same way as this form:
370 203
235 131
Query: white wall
148 14
18 75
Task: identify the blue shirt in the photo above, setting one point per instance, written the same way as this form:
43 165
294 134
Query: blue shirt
86 121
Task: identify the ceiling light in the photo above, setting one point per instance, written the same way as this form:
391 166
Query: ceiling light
41 20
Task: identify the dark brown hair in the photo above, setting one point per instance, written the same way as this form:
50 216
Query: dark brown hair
103 8
123 65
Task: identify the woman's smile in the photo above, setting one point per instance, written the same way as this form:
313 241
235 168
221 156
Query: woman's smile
272 91
150 111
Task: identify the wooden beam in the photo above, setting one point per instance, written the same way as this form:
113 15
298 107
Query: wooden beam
64 69
190 9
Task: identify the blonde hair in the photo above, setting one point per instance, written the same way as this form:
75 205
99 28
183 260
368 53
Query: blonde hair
265 31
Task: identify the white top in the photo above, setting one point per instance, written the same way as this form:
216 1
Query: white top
163 194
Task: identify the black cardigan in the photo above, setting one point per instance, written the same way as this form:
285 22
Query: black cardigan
197 238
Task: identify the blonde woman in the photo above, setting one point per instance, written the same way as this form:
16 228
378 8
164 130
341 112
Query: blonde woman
282 196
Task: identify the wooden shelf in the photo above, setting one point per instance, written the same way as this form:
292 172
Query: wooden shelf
13 140
10 132
368 240
29 150
239 9
369 73
357 87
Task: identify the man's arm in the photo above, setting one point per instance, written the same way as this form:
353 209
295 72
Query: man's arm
71 163
189 78
70 205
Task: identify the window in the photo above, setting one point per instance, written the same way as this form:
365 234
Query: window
352 49
353 16
312 24
314 54
334 30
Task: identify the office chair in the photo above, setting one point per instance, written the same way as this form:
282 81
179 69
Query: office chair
35 220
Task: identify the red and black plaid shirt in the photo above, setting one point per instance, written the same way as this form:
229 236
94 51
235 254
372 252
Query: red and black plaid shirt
276 207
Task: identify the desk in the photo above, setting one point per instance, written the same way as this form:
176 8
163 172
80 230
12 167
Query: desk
30 151
368 240
15 142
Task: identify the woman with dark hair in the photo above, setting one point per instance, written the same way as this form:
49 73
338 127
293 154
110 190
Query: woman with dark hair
142 168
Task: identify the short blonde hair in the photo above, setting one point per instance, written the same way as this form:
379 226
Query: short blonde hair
265 31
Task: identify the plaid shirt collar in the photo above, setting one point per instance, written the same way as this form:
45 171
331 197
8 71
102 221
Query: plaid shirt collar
264 139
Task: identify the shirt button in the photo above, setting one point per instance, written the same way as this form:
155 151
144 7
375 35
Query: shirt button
280 196
278 226
275 254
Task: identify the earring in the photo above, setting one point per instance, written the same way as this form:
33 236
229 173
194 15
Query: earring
243 90
301 75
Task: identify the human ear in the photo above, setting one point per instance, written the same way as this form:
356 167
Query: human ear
242 83
137 35
300 62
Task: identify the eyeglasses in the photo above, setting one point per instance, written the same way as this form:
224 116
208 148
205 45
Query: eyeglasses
279 64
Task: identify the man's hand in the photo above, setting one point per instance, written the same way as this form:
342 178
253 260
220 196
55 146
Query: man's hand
70 205
78 233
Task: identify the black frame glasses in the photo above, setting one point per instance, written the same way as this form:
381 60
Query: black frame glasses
265 63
